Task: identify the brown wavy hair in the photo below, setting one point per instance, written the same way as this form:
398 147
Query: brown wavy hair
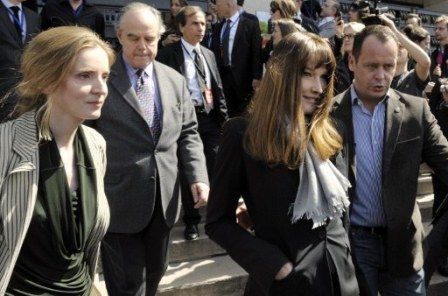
287 8
278 131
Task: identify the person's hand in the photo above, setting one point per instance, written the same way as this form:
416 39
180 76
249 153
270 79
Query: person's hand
255 84
437 71
171 38
200 194
242 216
284 271
387 21
444 90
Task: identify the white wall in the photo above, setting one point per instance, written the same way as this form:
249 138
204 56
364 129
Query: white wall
253 6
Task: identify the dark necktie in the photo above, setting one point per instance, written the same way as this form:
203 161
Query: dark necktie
225 44
202 79
200 69
15 10
145 95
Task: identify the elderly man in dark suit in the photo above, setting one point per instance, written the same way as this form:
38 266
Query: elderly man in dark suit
198 65
150 127
389 134
18 25
236 43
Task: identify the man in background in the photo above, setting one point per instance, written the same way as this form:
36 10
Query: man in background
18 25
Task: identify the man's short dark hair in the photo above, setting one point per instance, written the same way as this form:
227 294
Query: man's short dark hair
382 33
240 2
185 13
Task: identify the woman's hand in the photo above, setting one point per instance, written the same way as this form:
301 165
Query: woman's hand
284 271
171 38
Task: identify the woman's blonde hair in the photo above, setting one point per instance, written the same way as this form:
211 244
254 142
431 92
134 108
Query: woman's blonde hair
287 8
288 26
278 131
46 63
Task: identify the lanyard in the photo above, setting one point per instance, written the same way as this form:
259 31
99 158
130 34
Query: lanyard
223 36
196 66
18 21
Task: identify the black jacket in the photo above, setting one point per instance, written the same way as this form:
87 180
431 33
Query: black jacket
268 192
173 56
246 54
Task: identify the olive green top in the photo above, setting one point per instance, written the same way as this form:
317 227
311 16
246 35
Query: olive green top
52 259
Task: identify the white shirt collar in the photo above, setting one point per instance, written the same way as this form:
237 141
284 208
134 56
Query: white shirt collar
8 4
326 19
149 70
189 47
356 100
235 17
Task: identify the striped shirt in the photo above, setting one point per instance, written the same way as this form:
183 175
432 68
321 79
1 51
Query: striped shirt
368 129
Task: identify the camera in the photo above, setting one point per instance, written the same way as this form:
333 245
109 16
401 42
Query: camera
372 18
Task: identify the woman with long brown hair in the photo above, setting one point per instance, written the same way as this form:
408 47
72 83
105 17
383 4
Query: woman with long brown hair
172 33
286 159
54 210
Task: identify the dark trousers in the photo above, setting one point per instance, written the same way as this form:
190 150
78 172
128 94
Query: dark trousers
210 134
237 97
440 192
437 243
134 263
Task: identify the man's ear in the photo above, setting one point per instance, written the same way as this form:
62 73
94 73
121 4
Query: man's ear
119 35
351 62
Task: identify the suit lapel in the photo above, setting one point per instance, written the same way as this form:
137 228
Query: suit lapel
238 35
17 208
179 57
7 23
208 59
343 111
124 86
30 25
394 118
167 100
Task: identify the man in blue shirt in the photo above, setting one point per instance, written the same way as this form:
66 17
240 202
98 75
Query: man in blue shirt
389 135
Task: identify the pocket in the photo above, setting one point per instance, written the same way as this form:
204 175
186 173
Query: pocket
409 140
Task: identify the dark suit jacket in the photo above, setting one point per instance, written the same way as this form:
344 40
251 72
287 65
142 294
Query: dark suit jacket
444 65
268 192
11 49
308 24
58 13
173 57
135 163
411 137
246 53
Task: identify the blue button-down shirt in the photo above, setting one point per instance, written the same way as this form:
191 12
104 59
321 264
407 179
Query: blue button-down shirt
368 128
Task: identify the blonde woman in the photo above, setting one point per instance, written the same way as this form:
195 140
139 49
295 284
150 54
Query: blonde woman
344 76
283 159
53 211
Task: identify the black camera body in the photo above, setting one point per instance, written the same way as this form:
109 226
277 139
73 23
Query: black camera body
372 18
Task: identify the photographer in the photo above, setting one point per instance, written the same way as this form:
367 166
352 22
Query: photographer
411 81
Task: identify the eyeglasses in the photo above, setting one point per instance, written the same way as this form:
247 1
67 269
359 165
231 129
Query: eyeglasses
348 36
